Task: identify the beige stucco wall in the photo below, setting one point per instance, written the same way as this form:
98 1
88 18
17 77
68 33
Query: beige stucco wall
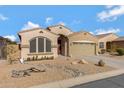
82 36
28 35
64 31
106 39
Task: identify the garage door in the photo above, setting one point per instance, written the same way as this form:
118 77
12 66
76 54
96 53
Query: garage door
80 49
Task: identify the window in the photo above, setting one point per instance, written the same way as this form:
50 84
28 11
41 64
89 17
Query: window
101 45
40 44
48 45
33 45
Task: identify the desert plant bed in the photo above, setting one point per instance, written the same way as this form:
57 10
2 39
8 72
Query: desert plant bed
55 70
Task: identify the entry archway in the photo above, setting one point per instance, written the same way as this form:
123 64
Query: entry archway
63 45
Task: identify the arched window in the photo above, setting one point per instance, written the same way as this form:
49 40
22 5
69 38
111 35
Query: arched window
40 44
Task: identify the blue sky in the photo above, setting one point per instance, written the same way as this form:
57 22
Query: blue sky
92 18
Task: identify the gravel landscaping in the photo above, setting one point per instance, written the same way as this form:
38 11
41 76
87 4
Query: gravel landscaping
55 70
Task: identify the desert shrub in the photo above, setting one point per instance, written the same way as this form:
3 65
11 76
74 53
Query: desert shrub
28 59
108 50
33 58
36 58
120 51
52 57
103 51
101 63
47 58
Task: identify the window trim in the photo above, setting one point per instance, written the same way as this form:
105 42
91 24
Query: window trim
45 39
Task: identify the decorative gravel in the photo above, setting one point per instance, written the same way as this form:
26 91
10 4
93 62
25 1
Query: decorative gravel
56 70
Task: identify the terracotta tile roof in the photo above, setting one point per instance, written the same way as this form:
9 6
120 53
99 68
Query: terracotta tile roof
103 35
119 39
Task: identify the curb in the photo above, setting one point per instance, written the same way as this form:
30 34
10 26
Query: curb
80 80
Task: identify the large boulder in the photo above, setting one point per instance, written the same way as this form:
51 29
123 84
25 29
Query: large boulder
75 62
82 61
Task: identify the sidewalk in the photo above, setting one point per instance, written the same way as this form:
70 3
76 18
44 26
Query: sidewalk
80 80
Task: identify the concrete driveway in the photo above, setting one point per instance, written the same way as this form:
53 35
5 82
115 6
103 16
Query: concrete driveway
109 61
112 82
2 61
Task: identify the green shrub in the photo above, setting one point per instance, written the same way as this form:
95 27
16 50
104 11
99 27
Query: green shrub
120 51
103 51
101 63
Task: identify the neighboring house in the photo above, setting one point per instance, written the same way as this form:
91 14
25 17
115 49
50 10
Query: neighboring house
3 44
56 40
105 40
118 43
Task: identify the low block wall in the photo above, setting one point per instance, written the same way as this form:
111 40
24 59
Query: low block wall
13 52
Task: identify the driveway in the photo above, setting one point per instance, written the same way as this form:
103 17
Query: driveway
109 61
112 82
1 61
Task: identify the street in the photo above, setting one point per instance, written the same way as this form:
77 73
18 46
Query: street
112 82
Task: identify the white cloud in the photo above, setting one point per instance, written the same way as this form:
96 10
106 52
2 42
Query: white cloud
11 37
30 25
109 6
62 23
91 33
111 14
3 18
105 31
48 20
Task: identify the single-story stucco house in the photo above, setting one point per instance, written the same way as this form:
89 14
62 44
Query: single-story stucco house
57 40
104 40
118 43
